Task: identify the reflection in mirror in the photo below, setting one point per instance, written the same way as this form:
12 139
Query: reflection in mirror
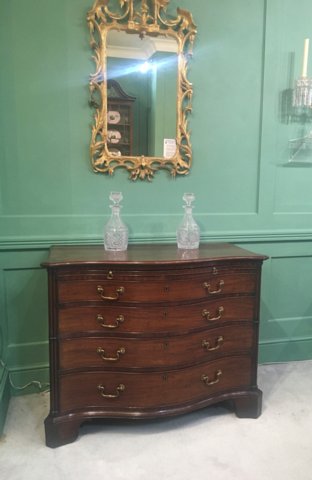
146 69
140 91
119 120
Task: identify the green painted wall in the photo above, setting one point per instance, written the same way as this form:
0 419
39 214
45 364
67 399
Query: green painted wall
246 57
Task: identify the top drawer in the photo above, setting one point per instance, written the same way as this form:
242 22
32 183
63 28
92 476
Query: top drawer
184 285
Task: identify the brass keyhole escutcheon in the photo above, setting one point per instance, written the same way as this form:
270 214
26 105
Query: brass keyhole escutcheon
110 275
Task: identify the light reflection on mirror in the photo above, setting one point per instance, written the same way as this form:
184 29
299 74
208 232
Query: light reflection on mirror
147 69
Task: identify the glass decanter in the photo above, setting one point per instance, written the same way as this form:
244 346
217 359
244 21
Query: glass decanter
188 233
115 231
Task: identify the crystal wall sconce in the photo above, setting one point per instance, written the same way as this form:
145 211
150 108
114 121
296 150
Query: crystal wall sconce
301 148
302 96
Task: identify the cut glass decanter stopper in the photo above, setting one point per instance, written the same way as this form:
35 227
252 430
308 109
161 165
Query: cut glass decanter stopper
115 231
188 233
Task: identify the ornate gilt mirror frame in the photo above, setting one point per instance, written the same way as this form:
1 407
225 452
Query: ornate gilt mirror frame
145 18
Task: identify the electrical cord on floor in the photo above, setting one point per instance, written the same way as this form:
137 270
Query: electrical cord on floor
44 387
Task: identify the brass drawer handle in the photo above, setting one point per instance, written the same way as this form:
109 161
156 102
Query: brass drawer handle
119 352
119 389
208 382
207 287
219 341
206 314
119 291
119 320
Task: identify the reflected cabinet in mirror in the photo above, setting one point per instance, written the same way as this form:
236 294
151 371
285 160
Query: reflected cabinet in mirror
140 90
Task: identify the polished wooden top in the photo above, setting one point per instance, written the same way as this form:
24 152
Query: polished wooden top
146 254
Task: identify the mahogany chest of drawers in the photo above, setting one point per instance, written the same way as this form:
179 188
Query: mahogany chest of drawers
150 332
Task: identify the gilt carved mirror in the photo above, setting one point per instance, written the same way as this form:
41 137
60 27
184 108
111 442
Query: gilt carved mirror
140 90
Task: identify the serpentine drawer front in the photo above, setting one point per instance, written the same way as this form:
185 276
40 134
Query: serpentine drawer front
151 331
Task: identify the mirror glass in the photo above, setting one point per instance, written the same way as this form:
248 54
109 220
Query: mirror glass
140 90
146 69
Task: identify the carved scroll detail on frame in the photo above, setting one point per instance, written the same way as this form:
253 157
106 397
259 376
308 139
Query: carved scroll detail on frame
144 17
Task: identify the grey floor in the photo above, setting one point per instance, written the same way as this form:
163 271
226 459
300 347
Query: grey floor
210 444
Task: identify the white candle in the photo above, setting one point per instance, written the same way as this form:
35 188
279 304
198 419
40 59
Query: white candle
305 57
